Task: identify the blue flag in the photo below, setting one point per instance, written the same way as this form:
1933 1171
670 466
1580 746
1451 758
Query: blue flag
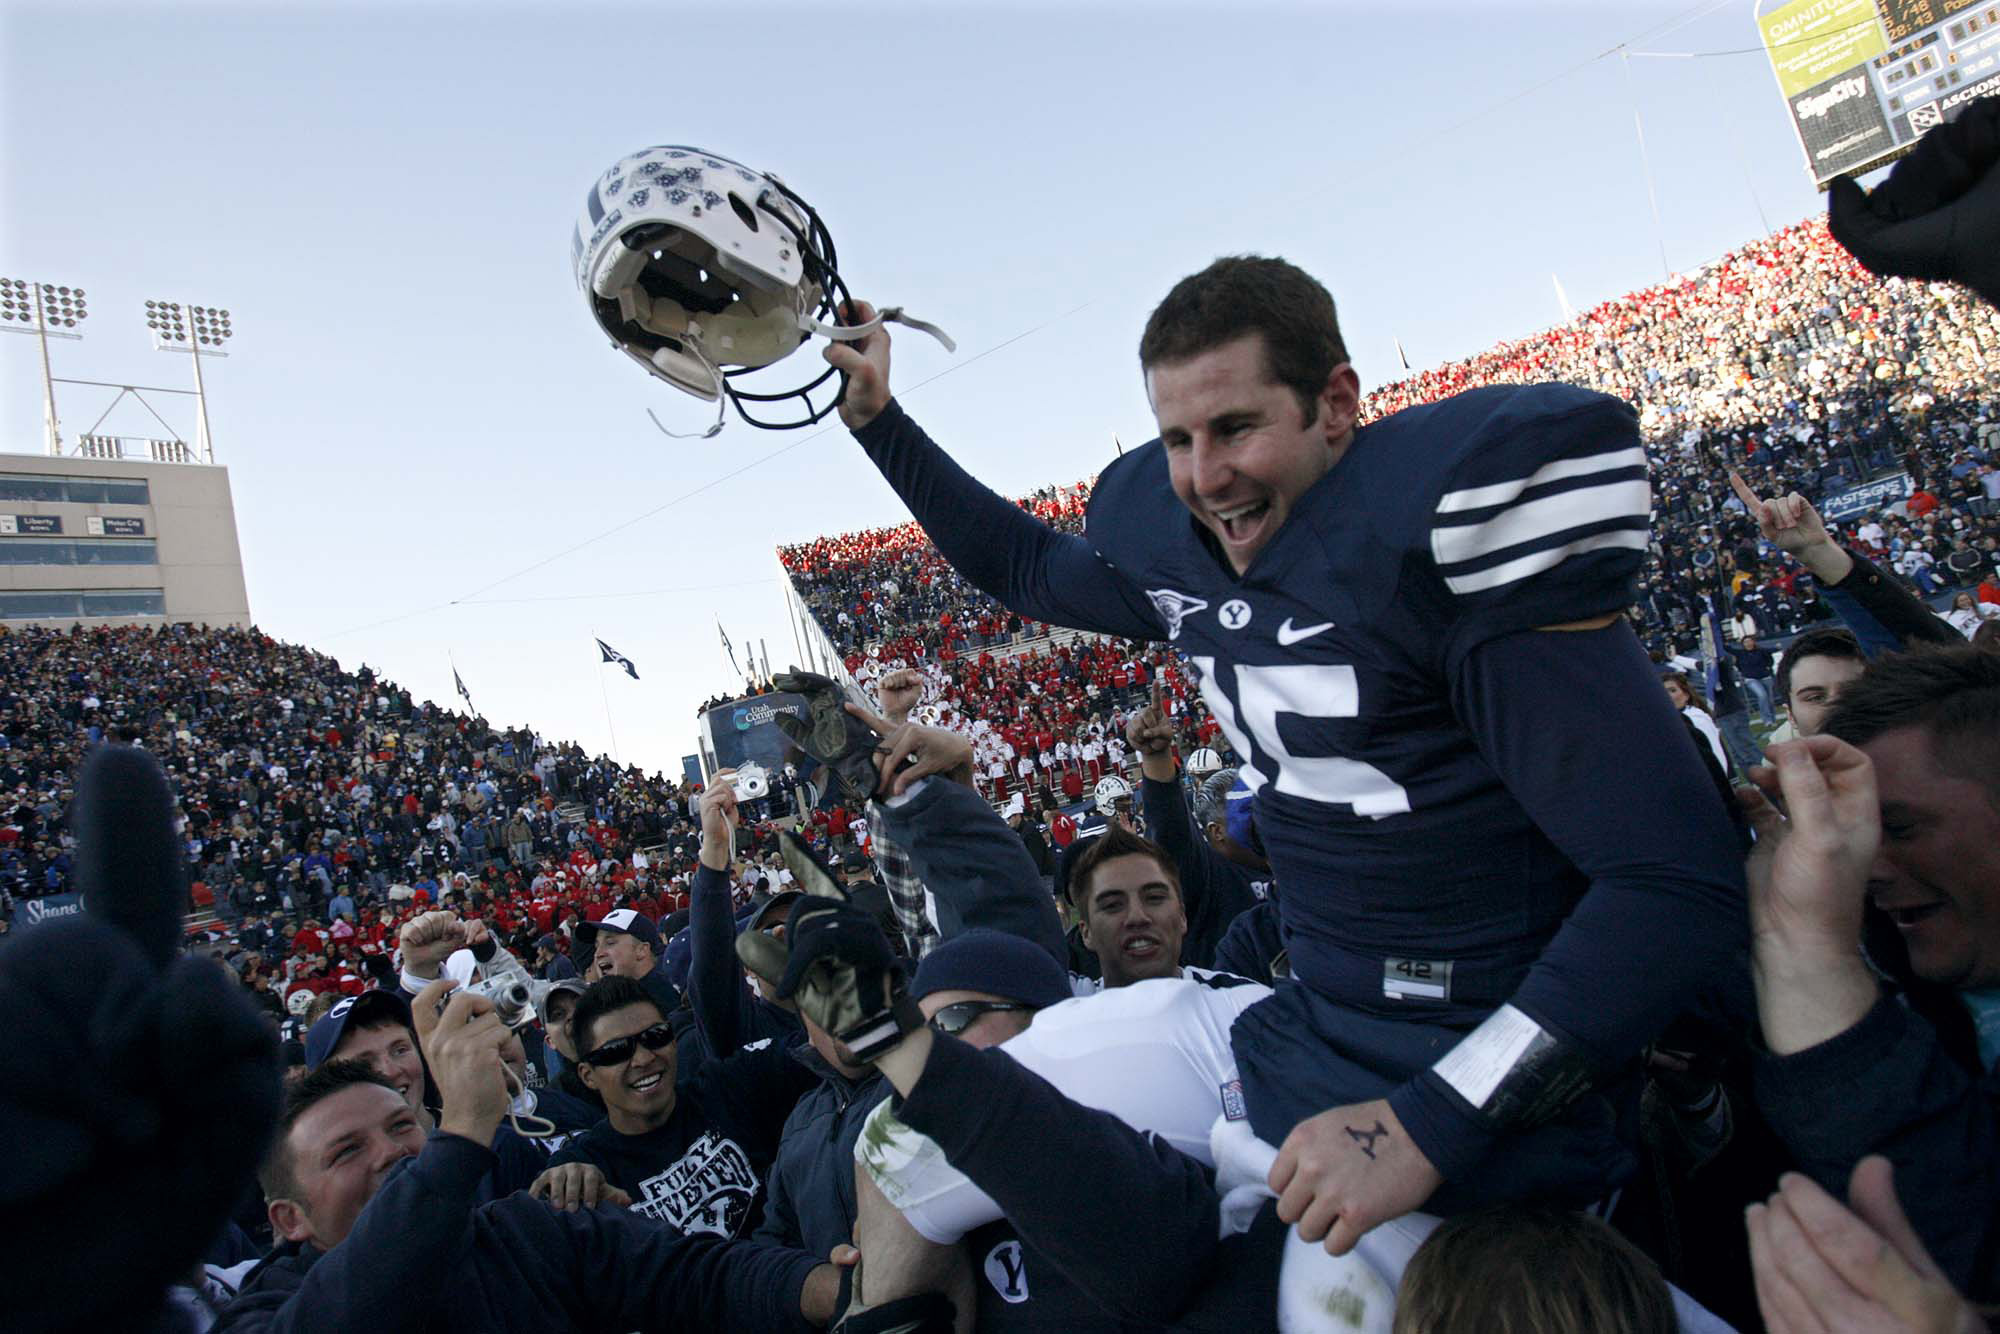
613 655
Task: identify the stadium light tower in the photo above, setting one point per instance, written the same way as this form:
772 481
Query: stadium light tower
200 331
46 311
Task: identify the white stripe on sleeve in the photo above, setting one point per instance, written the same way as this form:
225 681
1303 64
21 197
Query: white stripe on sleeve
1501 493
1512 570
1534 519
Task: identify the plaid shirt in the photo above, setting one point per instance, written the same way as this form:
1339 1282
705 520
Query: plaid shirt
907 895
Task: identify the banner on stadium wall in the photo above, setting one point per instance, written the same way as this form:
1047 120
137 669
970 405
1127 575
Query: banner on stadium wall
742 732
18 525
54 907
1866 498
1863 79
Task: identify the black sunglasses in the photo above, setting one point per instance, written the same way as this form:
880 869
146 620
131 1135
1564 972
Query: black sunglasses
956 1018
619 1050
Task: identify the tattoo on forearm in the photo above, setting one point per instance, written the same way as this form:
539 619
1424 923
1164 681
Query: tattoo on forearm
1366 1138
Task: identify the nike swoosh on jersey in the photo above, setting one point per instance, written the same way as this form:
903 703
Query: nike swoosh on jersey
1287 636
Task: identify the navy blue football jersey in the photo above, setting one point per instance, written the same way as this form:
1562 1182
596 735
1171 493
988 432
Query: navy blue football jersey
1462 811
1328 665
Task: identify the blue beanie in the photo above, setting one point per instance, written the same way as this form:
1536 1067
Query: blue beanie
996 963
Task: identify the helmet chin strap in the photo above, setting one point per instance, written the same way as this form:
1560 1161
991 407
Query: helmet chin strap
849 333
692 344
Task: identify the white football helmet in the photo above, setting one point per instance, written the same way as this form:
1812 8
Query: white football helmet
299 1002
703 270
1203 763
1110 790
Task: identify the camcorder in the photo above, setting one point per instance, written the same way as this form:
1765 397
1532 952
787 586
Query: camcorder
752 782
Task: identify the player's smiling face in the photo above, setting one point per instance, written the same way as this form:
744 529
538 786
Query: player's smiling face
1240 451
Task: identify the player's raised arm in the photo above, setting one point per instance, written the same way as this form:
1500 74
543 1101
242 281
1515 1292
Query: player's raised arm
1005 551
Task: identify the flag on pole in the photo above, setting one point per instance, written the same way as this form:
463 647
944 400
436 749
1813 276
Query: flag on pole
463 693
1401 355
613 655
726 648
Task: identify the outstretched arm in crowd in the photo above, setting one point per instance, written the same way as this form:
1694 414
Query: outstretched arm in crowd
715 981
1849 1071
993 542
976 868
898 693
1211 896
1881 612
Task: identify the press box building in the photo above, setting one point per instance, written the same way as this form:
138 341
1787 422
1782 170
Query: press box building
99 537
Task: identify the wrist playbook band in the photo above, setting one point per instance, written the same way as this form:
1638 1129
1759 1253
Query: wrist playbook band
1514 1072
879 1032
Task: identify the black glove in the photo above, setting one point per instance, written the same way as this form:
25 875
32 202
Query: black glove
832 735
137 1090
835 962
1937 217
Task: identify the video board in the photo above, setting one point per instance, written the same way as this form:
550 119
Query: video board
1863 79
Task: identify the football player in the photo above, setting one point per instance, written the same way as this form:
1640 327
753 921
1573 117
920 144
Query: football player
1504 868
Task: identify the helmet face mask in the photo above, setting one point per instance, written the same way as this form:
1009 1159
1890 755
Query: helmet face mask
705 272
1110 790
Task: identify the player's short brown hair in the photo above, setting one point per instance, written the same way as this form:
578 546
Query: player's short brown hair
1240 295
1531 1270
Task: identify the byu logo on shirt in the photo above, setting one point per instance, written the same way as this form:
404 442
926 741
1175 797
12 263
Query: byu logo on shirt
1234 614
1006 1270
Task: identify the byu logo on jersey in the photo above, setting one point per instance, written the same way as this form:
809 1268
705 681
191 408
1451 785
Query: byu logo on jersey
1234 614
1007 1271
1174 607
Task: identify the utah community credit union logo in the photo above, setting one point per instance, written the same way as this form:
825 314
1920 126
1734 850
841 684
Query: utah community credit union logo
753 715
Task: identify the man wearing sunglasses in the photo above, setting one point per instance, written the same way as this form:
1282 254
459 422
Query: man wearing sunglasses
984 987
691 1147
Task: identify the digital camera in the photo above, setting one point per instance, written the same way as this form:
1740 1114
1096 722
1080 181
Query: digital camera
515 992
751 783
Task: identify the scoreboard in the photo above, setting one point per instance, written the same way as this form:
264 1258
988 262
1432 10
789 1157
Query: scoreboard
1863 79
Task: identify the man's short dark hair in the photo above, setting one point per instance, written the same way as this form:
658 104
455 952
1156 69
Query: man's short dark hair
1828 641
601 998
1117 841
1240 295
276 1176
1953 693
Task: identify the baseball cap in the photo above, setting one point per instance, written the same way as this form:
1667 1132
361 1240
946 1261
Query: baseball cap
764 904
994 962
368 1007
852 860
630 921
570 985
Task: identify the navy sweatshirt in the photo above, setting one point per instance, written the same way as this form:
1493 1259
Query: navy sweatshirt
422 1258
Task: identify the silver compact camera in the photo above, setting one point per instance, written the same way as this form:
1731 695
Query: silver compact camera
515 992
751 783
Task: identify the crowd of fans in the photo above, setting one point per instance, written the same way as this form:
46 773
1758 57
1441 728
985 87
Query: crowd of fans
351 854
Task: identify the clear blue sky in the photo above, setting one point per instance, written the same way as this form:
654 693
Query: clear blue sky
417 405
